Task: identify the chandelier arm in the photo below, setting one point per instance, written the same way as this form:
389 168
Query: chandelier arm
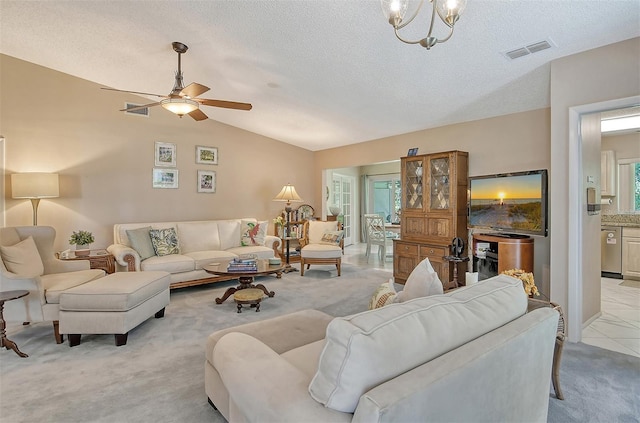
412 17
448 36
433 15
403 40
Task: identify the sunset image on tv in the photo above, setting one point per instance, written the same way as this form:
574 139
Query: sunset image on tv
512 203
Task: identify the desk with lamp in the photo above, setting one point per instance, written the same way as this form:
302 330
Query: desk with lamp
288 194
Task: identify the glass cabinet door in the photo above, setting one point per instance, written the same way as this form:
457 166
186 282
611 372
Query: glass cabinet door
413 195
439 187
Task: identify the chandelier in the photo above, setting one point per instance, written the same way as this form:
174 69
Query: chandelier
448 10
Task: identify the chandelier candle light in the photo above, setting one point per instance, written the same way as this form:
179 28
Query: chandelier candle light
449 12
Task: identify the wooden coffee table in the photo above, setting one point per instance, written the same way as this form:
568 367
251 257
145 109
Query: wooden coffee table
246 279
4 341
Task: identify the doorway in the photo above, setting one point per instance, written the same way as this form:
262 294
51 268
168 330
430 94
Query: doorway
344 196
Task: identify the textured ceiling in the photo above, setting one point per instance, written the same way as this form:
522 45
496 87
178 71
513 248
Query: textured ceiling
320 73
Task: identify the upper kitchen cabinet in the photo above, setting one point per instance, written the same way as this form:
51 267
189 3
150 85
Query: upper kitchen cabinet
608 173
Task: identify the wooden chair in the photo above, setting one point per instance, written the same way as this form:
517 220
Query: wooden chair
322 243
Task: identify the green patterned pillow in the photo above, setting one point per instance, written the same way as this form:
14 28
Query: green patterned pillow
165 241
384 295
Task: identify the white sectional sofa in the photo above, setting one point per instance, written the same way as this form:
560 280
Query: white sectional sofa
472 354
199 243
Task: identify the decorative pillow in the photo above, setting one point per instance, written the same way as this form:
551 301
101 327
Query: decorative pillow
165 241
23 258
332 237
384 295
140 241
422 282
253 233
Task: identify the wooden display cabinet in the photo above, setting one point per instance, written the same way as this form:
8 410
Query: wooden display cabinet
434 211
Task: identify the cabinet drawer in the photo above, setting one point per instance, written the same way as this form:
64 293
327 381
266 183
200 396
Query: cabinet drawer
432 251
406 249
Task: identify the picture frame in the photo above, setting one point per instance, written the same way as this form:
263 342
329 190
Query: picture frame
165 154
165 178
207 181
412 152
206 155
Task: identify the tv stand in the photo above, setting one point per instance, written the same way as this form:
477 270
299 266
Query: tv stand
504 253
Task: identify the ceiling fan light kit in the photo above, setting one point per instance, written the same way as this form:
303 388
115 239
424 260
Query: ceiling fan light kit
449 12
183 100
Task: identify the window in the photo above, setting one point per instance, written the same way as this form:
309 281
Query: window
385 196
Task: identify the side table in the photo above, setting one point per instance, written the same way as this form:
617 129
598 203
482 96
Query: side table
560 336
98 259
4 341
455 261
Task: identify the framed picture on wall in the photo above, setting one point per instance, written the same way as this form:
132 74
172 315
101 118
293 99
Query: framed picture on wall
165 178
206 155
412 152
206 181
165 153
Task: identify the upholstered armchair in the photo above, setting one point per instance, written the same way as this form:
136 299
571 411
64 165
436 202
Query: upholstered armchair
322 243
29 263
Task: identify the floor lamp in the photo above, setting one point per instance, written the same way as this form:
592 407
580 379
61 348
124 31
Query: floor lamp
35 186
288 194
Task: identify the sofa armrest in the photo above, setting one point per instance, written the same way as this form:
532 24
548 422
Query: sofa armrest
10 281
125 256
265 386
273 242
63 266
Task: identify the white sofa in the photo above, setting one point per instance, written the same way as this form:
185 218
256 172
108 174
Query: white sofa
199 242
473 354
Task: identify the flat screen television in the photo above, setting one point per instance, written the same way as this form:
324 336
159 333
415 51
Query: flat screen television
509 203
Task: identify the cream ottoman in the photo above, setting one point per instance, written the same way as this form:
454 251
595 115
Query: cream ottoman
114 304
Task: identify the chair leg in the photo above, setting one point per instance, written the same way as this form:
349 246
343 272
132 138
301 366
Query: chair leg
121 339
338 265
56 332
301 267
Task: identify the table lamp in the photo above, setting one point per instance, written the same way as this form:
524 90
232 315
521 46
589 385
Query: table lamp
35 186
288 194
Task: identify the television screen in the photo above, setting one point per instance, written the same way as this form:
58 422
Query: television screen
511 202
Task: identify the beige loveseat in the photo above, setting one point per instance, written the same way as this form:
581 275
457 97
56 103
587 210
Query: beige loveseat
199 243
472 354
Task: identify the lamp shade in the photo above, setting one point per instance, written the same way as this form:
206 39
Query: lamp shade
288 194
35 185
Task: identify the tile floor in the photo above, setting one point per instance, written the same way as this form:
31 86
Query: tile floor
618 329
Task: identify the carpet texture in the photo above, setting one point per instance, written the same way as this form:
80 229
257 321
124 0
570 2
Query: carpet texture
159 374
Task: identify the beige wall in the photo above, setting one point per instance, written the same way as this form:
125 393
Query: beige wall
626 146
593 76
54 122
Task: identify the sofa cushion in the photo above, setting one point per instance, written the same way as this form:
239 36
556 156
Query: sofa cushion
165 241
422 282
384 295
203 258
321 251
369 348
56 283
252 232
23 258
317 229
198 236
140 241
306 357
229 232
259 251
173 263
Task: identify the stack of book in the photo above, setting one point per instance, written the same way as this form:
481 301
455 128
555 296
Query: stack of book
243 265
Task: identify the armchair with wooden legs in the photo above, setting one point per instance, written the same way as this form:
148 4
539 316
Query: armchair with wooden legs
29 263
322 243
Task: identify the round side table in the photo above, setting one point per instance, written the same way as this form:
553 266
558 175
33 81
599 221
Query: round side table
4 341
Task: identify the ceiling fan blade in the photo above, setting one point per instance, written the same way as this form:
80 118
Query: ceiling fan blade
146 106
133 92
198 114
224 104
193 90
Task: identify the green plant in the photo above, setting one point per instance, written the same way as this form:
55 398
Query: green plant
81 238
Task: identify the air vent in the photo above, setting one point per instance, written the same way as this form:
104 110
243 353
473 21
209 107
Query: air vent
529 49
140 112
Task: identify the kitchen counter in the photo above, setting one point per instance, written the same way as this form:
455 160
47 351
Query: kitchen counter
624 220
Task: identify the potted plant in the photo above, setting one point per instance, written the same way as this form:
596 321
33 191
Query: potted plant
81 239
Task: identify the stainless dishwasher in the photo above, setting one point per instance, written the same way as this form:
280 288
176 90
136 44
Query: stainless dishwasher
611 251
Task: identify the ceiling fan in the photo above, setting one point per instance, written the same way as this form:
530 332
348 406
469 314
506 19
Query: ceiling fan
183 100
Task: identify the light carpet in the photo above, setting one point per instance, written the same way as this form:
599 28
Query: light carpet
159 374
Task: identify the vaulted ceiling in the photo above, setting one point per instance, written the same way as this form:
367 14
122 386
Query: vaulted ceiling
319 73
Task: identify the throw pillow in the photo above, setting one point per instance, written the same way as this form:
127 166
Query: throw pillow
165 241
140 241
422 282
332 237
23 258
253 233
384 295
